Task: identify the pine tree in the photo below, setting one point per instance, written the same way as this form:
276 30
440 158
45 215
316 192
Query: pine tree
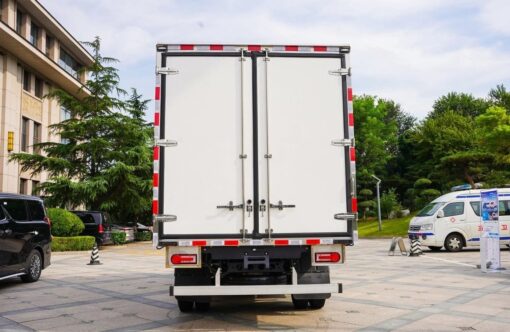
104 160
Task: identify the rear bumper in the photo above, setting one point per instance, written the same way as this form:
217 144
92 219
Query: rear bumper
255 290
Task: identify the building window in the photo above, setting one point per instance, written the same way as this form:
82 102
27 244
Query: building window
24 134
65 114
35 189
23 186
34 34
68 63
38 87
19 21
26 80
37 137
49 44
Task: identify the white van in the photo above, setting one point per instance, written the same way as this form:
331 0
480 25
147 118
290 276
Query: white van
453 220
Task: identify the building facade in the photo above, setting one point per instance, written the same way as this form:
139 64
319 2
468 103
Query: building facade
36 54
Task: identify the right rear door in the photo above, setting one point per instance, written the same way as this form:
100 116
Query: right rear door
304 179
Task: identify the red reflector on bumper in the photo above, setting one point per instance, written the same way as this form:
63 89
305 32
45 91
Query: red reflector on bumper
183 259
313 241
327 257
199 243
231 242
281 242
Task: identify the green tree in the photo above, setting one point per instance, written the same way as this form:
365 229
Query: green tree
389 203
376 137
494 132
438 137
500 97
459 103
366 202
104 159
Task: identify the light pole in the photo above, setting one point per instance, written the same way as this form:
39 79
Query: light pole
378 201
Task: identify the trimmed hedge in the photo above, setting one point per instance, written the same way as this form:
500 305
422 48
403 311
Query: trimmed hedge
143 236
64 223
72 243
118 237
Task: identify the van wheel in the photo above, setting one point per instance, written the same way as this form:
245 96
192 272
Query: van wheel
33 270
435 248
317 303
454 243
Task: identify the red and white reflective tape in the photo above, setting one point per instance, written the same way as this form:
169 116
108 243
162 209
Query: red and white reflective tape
156 151
253 48
251 242
352 149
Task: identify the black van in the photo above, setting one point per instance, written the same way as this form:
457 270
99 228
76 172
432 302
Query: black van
96 225
25 238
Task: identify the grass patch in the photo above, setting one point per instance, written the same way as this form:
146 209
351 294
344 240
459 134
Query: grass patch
72 243
390 228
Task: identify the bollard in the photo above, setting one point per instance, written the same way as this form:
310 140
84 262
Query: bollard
94 255
415 247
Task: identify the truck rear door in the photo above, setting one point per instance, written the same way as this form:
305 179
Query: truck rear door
258 142
304 159
205 121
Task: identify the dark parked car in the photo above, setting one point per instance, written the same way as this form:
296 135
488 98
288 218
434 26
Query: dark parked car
96 225
25 238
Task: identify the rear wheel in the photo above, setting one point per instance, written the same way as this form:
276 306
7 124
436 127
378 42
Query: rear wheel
34 267
454 242
435 248
202 306
185 306
317 303
299 304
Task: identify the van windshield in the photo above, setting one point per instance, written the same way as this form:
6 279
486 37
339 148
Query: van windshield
430 209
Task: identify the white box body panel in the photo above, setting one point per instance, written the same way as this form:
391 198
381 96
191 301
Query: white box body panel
255 128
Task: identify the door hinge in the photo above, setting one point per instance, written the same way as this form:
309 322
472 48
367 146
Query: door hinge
166 143
166 217
341 72
343 142
345 216
166 71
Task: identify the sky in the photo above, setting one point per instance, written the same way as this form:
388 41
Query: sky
412 52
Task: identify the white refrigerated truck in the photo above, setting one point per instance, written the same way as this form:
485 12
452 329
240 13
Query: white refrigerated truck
254 170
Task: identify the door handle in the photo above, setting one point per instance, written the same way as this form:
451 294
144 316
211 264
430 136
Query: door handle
8 232
230 206
280 206
34 232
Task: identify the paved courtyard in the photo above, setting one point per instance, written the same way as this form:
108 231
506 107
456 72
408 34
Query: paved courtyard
436 292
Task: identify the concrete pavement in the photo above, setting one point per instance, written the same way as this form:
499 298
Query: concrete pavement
434 292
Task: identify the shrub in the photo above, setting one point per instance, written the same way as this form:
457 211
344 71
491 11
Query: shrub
143 236
72 243
64 223
118 238
422 183
389 202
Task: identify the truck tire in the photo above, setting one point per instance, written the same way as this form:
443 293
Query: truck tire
317 303
202 306
299 304
34 267
454 242
185 306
